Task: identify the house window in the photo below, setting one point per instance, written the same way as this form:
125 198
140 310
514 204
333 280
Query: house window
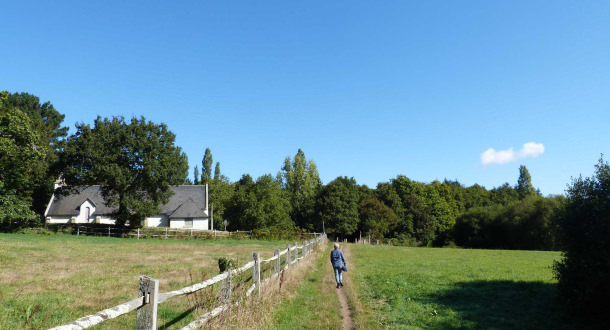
188 223
88 213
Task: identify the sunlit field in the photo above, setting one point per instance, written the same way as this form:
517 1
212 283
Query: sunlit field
457 288
47 281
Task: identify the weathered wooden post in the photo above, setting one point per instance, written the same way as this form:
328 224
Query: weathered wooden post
288 255
165 232
138 236
296 252
147 313
276 262
225 291
256 271
304 253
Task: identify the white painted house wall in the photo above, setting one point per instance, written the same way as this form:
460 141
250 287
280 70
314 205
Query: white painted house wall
198 223
87 209
156 221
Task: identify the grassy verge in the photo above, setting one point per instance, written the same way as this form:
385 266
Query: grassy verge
454 288
46 281
315 304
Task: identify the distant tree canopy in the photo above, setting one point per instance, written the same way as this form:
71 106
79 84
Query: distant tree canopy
337 206
135 162
524 183
299 177
206 167
257 205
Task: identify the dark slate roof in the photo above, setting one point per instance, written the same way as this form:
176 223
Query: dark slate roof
187 202
70 204
190 200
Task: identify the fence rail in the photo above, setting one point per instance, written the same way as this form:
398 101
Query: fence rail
170 233
149 297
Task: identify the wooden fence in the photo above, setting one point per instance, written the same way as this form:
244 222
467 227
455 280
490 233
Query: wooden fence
149 232
149 296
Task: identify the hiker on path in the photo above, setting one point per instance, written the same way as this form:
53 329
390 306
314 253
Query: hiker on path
338 261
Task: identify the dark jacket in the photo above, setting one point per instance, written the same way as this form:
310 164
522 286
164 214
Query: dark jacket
337 258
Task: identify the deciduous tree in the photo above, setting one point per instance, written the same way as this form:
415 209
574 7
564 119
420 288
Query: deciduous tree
524 183
301 180
206 167
259 205
45 123
376 218
583 272
135 162
337 206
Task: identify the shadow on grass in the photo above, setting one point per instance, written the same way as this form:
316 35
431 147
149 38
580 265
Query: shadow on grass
505 305
177 318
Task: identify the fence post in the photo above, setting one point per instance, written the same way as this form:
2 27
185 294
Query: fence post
296 252
225 291
288 255
147 313
276 262
256 271
165 232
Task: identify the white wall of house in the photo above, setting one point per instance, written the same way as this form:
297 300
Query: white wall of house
86 213
104 220
65 219
76 219
197 223
156 221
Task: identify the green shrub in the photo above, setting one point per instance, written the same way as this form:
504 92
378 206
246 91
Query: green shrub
584 272
225 263
35 231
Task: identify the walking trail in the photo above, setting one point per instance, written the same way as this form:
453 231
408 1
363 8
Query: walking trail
346 314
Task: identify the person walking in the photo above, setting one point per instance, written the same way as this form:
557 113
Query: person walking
338 261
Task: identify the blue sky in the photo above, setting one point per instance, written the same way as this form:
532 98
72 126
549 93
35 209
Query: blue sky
366 89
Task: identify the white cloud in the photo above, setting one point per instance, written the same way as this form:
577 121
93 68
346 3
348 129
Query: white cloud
530 149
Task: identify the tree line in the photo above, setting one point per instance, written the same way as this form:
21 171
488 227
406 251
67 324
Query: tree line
136 161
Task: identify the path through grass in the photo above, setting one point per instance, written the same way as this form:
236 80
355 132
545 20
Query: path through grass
315 305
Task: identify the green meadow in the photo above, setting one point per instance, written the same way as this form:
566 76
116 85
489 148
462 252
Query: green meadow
404 288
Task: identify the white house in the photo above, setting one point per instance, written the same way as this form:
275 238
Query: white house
187 208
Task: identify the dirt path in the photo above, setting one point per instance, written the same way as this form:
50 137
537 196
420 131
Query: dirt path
346 314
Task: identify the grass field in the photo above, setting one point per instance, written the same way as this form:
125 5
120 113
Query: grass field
456 288
51 280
